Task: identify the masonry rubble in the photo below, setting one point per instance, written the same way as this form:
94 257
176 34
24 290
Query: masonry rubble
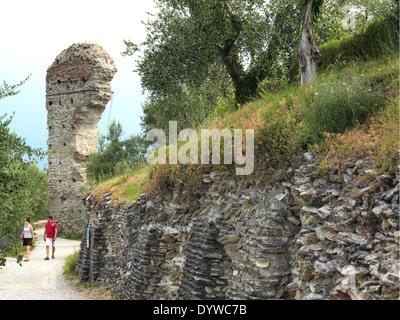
303 237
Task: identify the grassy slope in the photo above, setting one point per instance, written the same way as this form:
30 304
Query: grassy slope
124 188
284 127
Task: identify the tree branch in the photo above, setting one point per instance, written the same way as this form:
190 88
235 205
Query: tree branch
237 23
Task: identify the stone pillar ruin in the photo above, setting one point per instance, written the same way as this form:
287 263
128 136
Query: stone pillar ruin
77 92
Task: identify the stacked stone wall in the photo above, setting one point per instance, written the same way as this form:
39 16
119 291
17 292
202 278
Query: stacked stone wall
302 236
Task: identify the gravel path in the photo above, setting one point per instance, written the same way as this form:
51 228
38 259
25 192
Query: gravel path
40 279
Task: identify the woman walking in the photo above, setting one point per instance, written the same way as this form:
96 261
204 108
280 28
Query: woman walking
28 237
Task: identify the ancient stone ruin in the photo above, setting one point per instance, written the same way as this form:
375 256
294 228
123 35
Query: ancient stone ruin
77 92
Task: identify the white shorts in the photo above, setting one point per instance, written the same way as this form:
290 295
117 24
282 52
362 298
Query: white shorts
50 242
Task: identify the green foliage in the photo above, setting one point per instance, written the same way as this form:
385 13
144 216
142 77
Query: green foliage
126 187
23 186
329 23
343 17
388 145
73 236
190 36
277 140
70 265
337 105
114 155
321 169
223 106
297 118
190 107
199 51
7 90
377 38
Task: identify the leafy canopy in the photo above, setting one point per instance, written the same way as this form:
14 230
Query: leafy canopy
187 37
114 155
194 44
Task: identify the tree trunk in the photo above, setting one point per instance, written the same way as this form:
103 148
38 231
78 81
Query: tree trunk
230 62
309 56
235 75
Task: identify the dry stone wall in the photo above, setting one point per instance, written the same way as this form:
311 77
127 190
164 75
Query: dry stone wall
77 92
303 236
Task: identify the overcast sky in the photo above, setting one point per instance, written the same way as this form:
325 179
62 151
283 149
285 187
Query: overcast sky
33 33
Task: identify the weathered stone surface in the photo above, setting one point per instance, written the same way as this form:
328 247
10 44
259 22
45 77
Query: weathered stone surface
78 90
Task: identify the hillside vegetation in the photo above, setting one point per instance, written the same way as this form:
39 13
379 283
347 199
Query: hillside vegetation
350 111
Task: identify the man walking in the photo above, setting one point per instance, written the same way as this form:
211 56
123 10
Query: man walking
50 236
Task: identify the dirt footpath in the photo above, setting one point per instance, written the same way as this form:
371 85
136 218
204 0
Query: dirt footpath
40 279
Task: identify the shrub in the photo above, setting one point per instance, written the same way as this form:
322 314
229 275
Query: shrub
338 105
114 156
278 138
224 105
70 264
378 38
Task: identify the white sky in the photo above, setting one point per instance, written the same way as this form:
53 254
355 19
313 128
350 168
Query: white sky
33 33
